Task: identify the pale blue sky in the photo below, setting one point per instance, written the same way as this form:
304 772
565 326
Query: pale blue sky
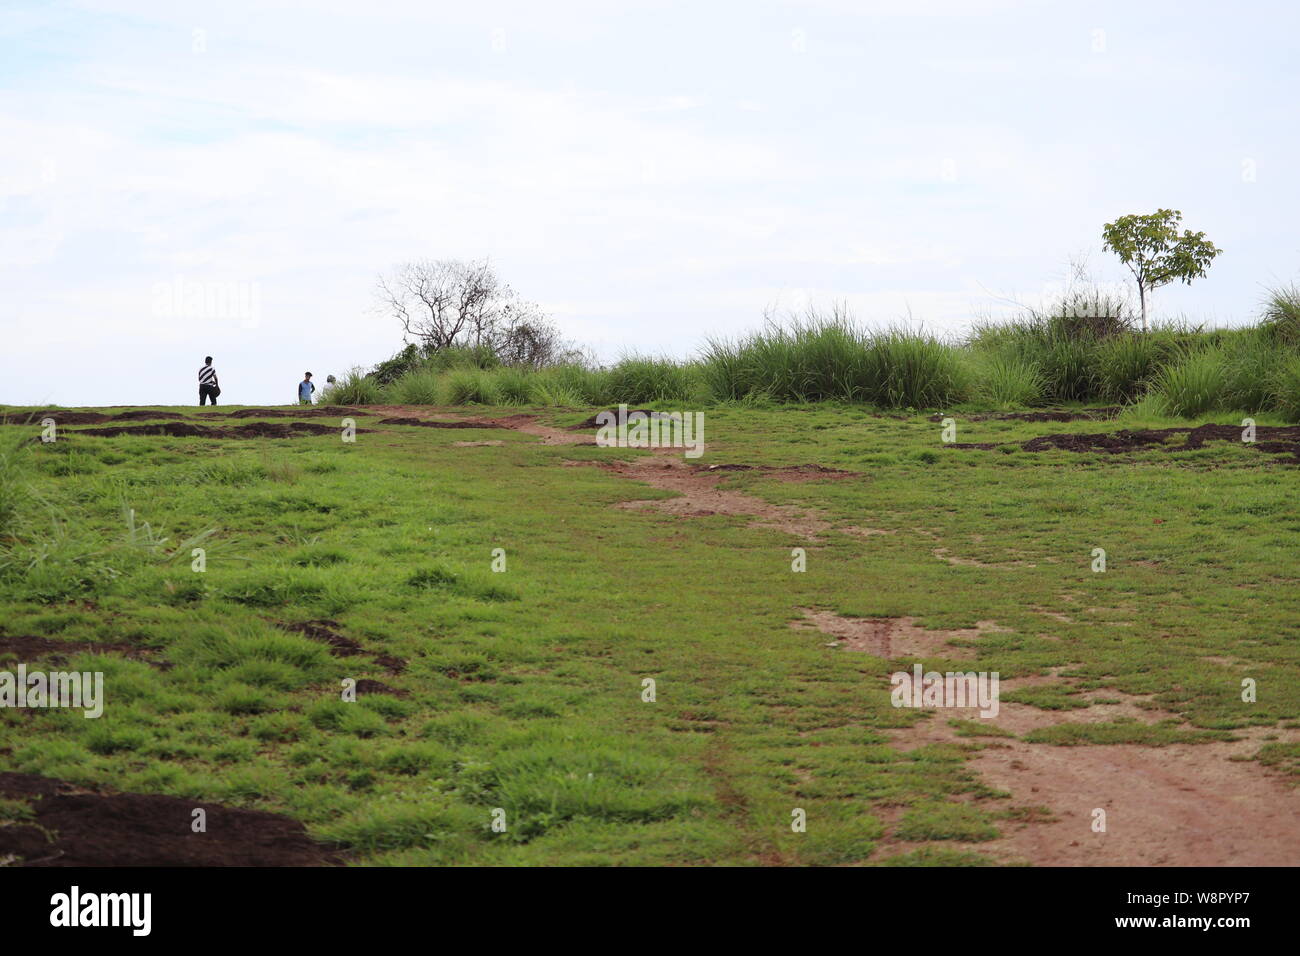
652 173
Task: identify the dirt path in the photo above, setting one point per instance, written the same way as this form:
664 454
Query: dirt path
699 495
666 468
1203 804
528 424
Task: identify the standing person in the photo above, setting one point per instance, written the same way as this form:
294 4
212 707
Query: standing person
305 388
208 387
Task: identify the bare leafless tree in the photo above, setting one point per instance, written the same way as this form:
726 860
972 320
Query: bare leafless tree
436 300
446 303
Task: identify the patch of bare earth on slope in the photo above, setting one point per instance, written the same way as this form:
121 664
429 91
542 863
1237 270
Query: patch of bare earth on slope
1202 804
699 495
892 637
68 825
431 417
1182 804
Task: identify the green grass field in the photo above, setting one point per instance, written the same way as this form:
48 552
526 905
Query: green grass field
522 690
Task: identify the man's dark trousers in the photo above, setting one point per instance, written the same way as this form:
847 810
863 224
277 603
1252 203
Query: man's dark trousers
206 392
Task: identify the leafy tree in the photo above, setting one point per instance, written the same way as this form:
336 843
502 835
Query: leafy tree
1155 253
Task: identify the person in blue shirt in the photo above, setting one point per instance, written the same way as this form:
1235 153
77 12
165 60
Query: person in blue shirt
305 388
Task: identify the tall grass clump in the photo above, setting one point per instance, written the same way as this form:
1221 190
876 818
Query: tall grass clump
354 388
1281 316
416 387
913 370
1194 385
816 358
468 386
514 386
14 475
1064 350
1252 360
1006 381
1285 388
1127 364
639 380
829 358
568 386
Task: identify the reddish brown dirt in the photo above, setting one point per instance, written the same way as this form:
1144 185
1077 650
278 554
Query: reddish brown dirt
791 473
1178 805
323 631
74 826
892 637
147 416
528 424
60 417
1273 440
186 430
698 495
1045 415
86 418
1200 804
29 647
326 632
593 421
316 411
368 686
394 665
430 423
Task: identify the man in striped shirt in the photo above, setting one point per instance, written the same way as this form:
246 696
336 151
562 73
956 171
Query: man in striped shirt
208 388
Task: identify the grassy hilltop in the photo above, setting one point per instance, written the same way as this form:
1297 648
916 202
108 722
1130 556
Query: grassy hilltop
521 690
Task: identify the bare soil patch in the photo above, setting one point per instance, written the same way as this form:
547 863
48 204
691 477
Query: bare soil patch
316 411
1270 439
30 647
529 425
187 430
60 417
892 637
943 554
147 416
1201 804
368 686
1045 415
326 632
74 826
593 421
430 423
86 418
790 473
699 495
